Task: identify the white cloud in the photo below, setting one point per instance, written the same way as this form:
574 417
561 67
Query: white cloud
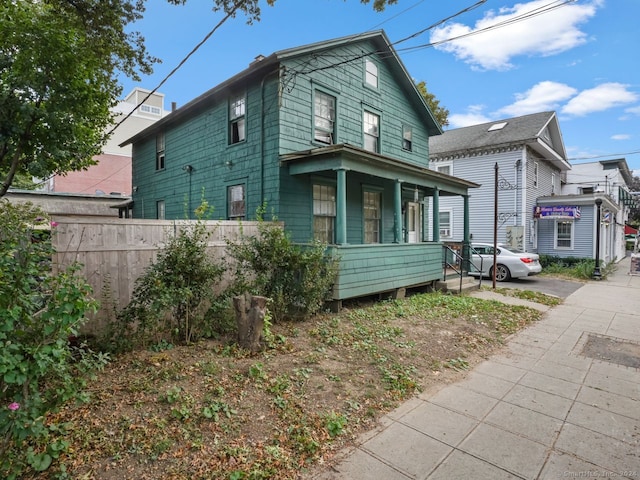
541 97
621 136
633 110
597 99
473 116
549 33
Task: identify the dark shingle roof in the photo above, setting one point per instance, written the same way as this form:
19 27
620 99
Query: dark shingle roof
517 130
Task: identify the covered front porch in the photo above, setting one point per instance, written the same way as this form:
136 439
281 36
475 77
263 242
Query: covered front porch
406 251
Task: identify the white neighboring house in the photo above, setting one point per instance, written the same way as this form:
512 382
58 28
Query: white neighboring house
531 159
610 180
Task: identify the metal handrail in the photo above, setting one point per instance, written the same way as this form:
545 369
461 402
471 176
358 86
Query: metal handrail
460 272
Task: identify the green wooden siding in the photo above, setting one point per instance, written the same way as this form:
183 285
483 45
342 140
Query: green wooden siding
346 83
365 269
202 142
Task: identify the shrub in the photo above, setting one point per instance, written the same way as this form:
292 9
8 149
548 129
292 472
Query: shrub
39 369
170 300
296 278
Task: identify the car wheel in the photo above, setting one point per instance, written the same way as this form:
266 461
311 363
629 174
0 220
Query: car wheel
502 274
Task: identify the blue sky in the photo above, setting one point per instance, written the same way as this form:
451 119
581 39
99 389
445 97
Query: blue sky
580 58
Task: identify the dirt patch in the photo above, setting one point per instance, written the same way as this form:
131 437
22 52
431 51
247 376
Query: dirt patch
612 350
211 410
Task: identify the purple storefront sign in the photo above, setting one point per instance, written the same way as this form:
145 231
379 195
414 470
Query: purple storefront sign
556 211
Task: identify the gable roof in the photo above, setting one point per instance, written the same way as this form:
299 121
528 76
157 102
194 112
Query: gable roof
525 130
263 66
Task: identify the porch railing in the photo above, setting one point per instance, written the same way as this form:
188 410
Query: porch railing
457 263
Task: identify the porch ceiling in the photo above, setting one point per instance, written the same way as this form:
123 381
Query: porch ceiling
350 158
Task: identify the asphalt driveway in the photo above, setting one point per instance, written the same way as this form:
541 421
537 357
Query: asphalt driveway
537 283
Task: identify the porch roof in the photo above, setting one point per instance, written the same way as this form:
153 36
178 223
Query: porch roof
350 158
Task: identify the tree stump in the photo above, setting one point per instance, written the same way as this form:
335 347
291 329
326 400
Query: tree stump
250 311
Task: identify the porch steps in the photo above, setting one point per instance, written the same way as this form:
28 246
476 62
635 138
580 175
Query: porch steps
452 285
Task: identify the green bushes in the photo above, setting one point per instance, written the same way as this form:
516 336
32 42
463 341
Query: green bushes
175 300
40 370
580 268
298 279
170 299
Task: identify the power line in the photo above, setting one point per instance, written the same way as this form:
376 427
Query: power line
230 14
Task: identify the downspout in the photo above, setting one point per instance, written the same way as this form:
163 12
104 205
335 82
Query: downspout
523 207
262 129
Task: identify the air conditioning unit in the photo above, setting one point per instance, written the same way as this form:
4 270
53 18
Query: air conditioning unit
445 232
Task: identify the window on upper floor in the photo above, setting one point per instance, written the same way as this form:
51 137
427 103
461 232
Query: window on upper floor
236 205
372 202
446 168
371 132
535 174
324 213
407 138
160 151
237 121
371 73
160 209
564 235
553 183
324 118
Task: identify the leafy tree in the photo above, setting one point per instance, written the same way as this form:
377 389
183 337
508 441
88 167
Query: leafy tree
441 114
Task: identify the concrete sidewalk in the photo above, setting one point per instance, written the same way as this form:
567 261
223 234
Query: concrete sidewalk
562 401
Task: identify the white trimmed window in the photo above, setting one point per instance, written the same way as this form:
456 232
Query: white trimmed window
371 130
237 122
446 223
564 235
324 118
444 167
535 174
324 213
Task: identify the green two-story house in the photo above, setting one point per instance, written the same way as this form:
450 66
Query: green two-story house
333 137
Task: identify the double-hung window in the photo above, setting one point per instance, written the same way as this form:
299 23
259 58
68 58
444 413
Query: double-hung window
371 73
371 131
564 234
445 223
160 151
160 213
324 213
237 121
407 140
372 216
236 204
324 118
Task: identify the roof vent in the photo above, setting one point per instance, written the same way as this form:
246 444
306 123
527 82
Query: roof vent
497 126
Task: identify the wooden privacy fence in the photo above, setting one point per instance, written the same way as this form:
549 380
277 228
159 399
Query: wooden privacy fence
114 252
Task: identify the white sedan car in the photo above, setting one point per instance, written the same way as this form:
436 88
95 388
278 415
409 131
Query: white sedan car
510 262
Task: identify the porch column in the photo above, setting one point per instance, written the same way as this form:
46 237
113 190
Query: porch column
397 212
341 207
436 214
466 253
